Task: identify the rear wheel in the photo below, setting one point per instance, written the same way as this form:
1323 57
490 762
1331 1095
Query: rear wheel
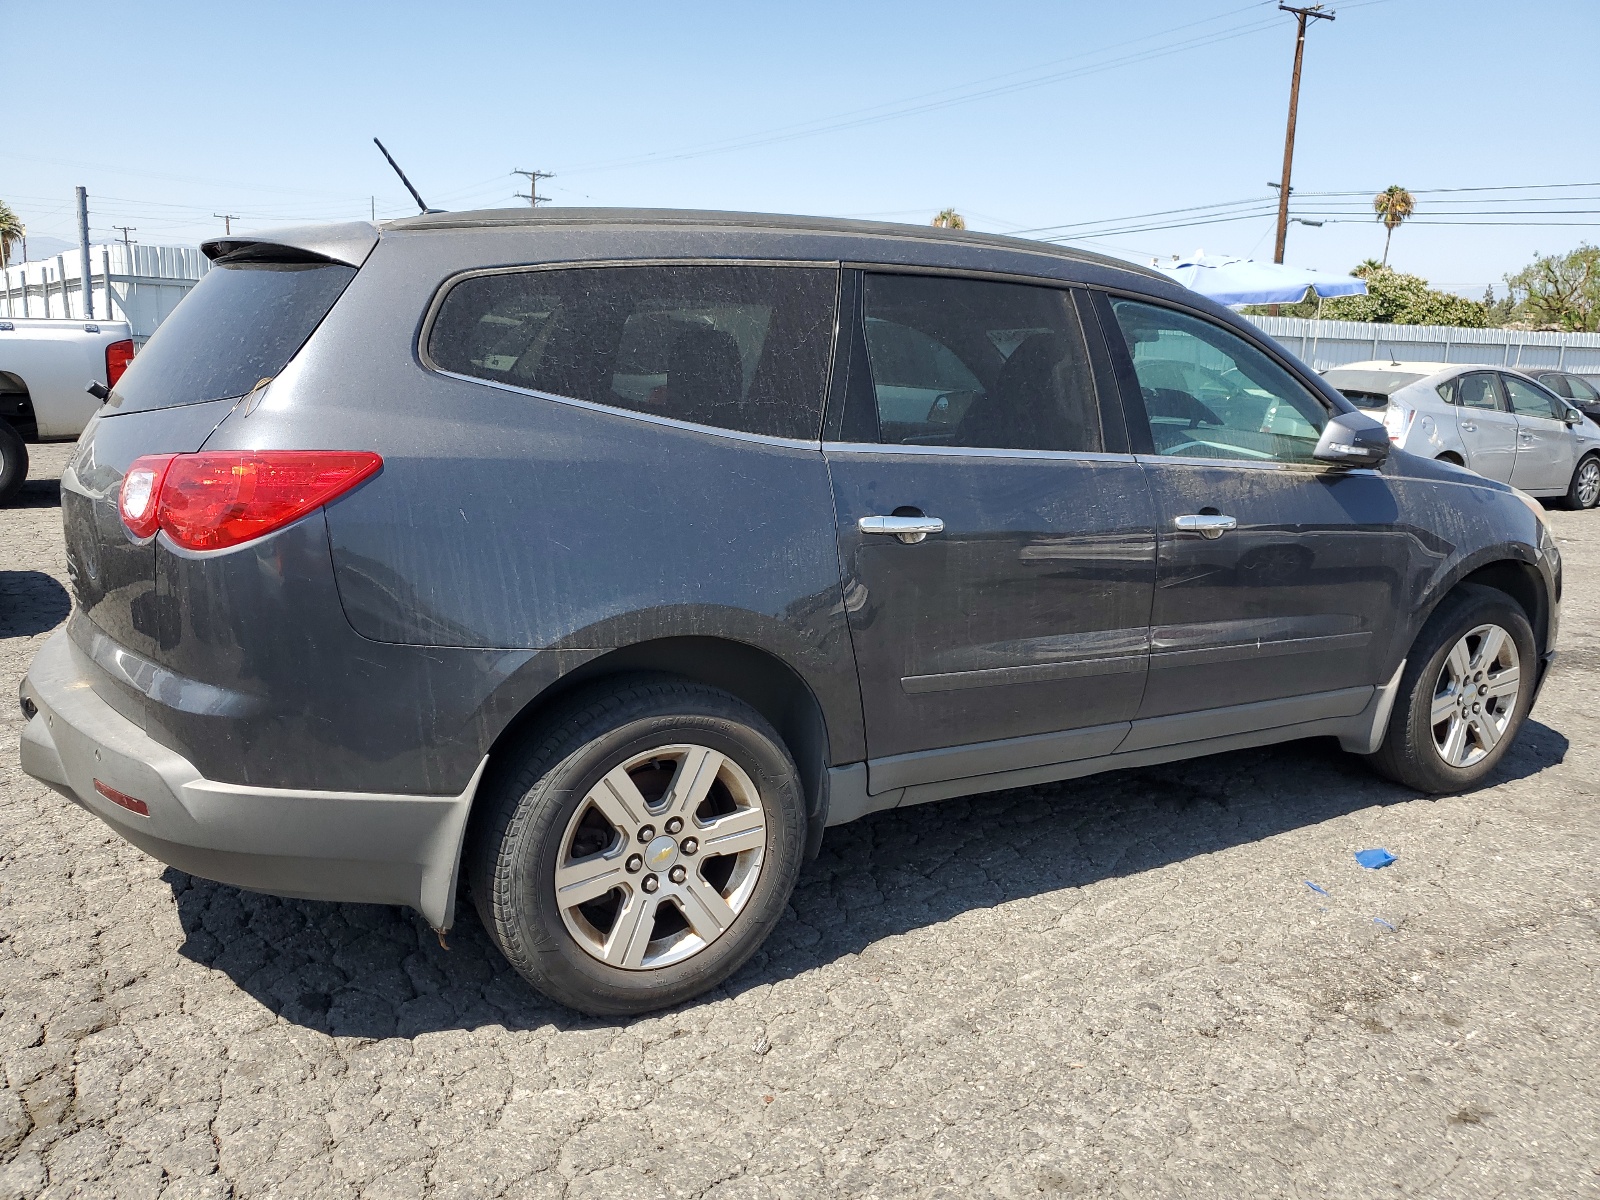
1584 490
1464 695
641 848
13 462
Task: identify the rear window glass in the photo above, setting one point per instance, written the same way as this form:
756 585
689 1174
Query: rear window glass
732 346
1381 384
241 323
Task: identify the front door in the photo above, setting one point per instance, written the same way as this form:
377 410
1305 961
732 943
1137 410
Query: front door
1488 430
997 546
1544 442
1277 576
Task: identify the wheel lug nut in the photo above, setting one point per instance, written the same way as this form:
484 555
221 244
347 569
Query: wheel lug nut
689 845
647 833
650 883
674 825
634 864
677 874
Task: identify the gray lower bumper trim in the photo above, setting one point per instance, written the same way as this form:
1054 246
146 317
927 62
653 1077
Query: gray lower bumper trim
351 846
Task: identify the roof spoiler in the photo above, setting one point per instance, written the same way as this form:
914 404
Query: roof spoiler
348 243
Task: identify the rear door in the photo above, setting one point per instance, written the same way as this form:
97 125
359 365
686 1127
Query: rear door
1488 430
1277 577
1013 632
1544 459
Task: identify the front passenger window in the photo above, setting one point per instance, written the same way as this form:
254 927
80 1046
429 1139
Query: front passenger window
1208 393
1530 401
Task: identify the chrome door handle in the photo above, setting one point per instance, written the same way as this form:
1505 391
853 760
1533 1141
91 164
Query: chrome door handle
1468 427
1207 525
908 529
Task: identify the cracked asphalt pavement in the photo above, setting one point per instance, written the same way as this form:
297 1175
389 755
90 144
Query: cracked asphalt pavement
1118 986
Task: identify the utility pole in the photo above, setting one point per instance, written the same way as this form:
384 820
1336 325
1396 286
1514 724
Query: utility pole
532 194
1301 16
127 246
229 218
84 277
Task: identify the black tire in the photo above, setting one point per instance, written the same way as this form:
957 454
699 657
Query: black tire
519 833
1585 479
13 462
1409 753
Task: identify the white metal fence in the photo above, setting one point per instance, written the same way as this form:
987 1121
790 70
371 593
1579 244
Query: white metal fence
1325 344
137 284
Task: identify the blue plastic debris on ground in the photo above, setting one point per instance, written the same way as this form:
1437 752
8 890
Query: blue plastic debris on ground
1319 891
1385 924
1373 859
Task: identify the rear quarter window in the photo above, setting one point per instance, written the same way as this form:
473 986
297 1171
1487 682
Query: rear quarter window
737 347
241 324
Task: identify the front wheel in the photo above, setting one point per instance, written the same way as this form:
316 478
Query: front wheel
641 848
1584 490
1465 692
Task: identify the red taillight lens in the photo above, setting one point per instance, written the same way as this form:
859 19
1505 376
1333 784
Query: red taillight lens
139 500
118 356
214 500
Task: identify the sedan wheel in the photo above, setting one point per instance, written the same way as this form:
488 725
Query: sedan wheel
1585 491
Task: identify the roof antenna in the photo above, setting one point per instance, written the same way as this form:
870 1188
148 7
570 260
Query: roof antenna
422 204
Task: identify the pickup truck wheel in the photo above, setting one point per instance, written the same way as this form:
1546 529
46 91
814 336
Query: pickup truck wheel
1465 692
1584 490
640 847
13 462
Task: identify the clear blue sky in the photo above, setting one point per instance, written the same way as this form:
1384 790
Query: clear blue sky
1148 105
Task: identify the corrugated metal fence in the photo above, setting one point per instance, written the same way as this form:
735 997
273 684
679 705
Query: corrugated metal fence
1325 344
141 287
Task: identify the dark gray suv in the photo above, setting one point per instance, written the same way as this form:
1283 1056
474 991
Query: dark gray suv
599 560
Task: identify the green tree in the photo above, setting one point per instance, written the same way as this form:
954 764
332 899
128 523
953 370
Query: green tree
1393 298
1393 205
11 230
949 218
1559 291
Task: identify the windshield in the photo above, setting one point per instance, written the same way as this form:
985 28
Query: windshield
241 324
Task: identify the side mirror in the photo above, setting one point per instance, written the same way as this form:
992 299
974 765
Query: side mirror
1573 417
1353 440
98 390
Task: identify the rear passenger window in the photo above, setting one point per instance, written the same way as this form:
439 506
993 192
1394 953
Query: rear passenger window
963 362
1478 391
737 347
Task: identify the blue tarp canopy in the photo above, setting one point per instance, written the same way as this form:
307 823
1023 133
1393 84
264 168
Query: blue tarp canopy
1245 281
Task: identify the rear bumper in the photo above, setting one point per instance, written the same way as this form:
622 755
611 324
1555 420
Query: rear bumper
361 847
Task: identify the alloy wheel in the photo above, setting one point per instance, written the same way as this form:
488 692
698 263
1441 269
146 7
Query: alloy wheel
660 857
1589 483
1475 695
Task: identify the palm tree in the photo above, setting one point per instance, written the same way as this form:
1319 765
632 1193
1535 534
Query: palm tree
11 230
949 218
1393 205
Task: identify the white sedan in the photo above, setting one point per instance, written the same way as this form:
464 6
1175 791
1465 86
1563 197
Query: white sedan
1498 422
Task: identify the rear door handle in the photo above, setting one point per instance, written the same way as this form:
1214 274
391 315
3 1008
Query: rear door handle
1468 427
908 529
1207 525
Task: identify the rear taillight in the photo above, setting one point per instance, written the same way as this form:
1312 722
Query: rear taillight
118 356
138 502
214 500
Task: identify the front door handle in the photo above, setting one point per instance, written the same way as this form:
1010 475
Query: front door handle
908 529
1207 525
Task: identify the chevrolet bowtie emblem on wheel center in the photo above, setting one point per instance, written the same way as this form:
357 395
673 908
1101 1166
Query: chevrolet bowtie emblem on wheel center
661 853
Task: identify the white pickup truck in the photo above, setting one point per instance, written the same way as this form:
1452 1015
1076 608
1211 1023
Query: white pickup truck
47 367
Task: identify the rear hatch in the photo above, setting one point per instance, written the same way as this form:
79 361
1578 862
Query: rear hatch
237 329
